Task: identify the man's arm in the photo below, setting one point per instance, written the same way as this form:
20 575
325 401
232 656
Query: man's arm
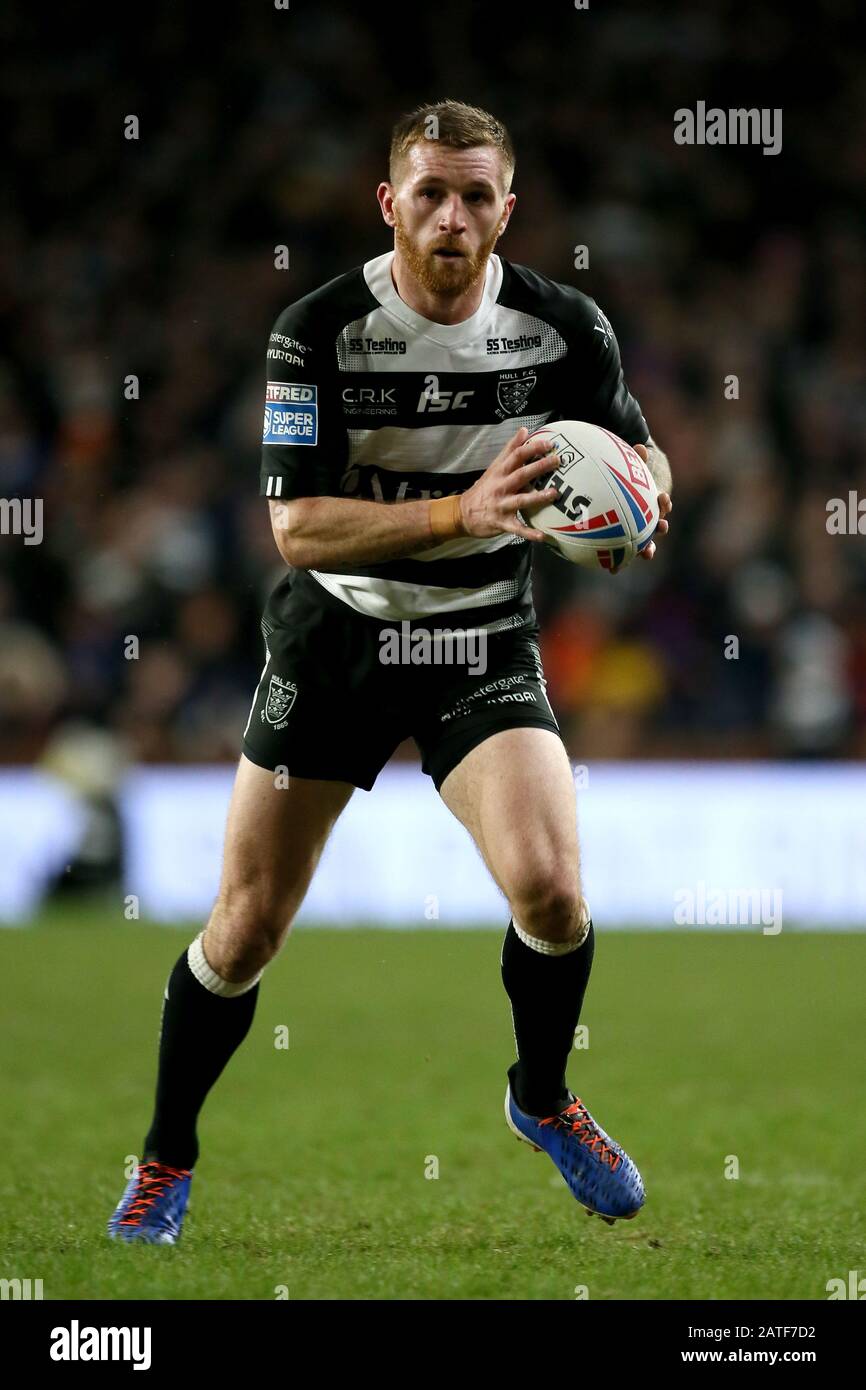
334 533
657 463
331 533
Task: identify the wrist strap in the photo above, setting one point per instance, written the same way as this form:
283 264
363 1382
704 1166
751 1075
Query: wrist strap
446 519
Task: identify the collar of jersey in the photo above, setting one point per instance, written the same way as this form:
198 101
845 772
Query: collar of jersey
377 274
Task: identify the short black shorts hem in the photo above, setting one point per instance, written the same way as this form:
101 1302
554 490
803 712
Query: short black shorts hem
362 779
437 765
446 756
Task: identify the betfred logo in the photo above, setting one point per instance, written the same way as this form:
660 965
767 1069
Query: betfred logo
290 392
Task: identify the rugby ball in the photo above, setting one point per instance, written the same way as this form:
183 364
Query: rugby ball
607 509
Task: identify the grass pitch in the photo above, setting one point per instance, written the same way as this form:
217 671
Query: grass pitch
703 1049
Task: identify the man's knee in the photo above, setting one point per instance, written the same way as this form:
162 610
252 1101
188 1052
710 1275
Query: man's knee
549 905
244 933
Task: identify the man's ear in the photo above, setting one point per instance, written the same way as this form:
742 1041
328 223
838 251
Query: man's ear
385 195
507 211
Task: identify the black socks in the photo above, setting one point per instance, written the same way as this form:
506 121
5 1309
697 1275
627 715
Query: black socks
546 993
200 1031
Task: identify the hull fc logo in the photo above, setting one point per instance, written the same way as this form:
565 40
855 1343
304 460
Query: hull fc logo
281 697
512 392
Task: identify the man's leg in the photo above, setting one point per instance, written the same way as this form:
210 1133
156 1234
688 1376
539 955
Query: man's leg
514 792
273 841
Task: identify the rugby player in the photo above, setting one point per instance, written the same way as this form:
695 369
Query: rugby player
400 479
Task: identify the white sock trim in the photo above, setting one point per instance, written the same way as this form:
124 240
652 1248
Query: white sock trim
557 948
197 961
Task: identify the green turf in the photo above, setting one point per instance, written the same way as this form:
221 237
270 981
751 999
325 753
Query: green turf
313 1168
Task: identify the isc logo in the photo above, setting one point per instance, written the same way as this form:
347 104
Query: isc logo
432 399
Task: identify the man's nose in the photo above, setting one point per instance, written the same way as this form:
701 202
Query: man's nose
452 216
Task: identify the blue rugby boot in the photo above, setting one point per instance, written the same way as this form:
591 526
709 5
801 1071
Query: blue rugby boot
152 1208
600 1174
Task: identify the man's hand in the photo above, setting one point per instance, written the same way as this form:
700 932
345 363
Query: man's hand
490 506
665 505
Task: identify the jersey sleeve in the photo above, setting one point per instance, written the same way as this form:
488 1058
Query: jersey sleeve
302 429
597 379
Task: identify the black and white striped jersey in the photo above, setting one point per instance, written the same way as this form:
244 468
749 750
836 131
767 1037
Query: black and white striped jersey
365 398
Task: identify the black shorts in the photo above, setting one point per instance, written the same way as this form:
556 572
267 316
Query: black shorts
339 691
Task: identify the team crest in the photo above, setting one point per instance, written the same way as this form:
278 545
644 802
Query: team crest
281 697
513 390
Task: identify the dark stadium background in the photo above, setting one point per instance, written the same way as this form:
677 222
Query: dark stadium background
155 258
260 127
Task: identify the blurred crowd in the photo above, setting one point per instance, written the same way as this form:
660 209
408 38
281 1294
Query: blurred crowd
138 287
